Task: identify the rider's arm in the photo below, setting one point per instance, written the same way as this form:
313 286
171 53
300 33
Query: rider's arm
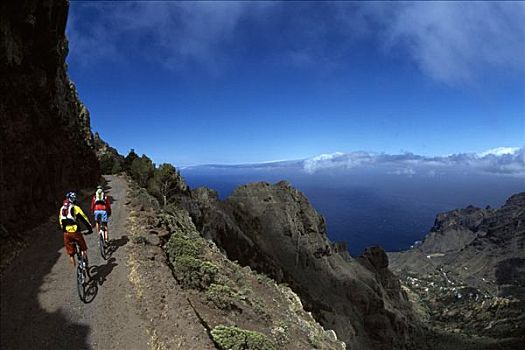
93 204
60 222
79 214
108 206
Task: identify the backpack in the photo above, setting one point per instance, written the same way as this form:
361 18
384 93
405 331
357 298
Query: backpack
66 215
100 198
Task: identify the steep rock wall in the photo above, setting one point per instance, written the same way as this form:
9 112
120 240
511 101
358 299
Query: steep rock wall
46 144
275 230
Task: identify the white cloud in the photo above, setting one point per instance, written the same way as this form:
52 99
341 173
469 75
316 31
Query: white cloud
455 42
325 160
176 34
406 164
502 160
499 151
337 160
451 42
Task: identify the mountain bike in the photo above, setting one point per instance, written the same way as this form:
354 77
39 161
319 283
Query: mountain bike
81 272
102 245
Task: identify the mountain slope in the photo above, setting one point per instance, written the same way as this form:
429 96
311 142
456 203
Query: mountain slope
469 272
237 307
275 230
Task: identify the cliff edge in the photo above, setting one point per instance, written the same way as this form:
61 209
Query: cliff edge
275 230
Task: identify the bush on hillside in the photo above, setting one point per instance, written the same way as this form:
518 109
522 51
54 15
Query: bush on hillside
109 164
193 272
234 338
179 245
189 268
142 170
129 160
166 182
221 296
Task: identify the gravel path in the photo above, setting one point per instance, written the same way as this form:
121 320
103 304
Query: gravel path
40 308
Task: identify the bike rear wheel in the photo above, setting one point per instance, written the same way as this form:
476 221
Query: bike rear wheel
102 245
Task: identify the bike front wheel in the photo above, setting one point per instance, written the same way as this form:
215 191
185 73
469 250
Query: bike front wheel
102 245
81 279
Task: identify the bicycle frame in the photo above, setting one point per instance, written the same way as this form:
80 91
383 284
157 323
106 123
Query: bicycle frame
101 242
81 273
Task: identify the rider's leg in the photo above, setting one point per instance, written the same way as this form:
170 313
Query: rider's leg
97 225
83 246
104 218
70 250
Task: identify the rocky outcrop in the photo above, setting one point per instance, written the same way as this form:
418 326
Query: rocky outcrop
202 300
111 162
476 286
46 145
454 230
275 230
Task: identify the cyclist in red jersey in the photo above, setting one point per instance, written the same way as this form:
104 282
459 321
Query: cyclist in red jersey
101 209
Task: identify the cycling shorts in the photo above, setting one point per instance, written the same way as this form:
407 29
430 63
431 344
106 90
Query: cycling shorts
69 238
101 215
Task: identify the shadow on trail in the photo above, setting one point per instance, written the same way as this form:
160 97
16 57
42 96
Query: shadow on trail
115 244
25 324
91 290
100 273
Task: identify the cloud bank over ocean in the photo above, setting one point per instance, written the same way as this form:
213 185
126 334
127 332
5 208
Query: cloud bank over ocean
501 161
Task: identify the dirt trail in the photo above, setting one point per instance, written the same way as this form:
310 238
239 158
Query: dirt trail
40 308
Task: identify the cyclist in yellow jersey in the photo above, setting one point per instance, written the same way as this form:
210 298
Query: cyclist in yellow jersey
68 218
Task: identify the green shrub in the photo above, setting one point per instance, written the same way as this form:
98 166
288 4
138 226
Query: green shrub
220 295
166 182
280 332
190 269
234 338
179 245
258 306
193 272
107 163
141 170
129 159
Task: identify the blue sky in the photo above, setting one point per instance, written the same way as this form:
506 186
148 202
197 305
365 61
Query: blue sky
192 83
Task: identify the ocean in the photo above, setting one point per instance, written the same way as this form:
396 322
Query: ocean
365 209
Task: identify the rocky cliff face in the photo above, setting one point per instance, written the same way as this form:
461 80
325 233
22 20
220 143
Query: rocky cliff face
470 271
275 230
238 307
46 141
111 162
454 230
